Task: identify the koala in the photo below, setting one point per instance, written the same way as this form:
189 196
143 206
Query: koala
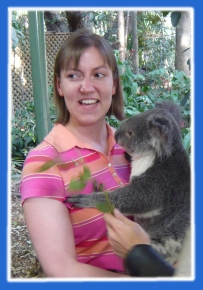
158 194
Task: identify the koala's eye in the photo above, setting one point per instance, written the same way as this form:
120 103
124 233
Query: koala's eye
130 133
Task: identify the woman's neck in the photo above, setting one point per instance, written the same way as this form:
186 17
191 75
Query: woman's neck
95 135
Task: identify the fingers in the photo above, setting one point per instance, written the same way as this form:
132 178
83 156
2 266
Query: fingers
116 222
119 215
119 226
109 219
122 218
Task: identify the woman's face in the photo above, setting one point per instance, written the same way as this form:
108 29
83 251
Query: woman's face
87 90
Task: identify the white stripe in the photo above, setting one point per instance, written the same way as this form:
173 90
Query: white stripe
149 214
28 177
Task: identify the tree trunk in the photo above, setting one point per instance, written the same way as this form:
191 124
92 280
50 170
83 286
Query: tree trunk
127 28
54 22
87 21
121 33
75 20
183 42
135 55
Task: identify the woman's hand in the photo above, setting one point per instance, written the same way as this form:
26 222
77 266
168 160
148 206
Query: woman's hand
123 233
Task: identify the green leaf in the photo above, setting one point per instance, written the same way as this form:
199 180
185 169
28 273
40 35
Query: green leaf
76 184
47 165
103 207
86 173
83 176
109 203
106 207
80 182
184 100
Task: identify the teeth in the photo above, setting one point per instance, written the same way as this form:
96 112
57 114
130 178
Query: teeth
89 102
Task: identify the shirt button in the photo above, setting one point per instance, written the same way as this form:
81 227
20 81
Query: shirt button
109 164
114 174
120 183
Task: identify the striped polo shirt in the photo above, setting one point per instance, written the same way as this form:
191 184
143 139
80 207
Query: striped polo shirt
69 156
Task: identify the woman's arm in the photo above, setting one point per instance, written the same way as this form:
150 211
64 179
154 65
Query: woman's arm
51 232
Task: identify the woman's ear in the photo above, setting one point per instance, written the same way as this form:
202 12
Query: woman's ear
58 85
114 87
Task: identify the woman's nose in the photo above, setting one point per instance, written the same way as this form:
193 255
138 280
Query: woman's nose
87 86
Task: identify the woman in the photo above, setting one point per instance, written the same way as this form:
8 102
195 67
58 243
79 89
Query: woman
71 242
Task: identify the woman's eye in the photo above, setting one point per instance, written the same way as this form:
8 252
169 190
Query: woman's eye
72 76
99 75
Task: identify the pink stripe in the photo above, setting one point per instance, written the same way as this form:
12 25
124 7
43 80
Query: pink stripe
107 261
65 161
84 160
117 151
31 159
42 175
124 174
44 187
83 233
88 221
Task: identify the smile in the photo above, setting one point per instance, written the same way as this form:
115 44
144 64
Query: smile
88 102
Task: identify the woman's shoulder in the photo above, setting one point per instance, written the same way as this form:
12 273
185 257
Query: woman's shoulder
44 148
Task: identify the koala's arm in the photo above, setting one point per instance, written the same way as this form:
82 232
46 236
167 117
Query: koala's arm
119 198
136 197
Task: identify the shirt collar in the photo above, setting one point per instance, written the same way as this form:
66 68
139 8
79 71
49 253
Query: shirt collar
62 139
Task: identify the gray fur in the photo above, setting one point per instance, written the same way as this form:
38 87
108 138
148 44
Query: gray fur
158 194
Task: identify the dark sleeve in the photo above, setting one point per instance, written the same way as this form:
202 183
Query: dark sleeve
143 261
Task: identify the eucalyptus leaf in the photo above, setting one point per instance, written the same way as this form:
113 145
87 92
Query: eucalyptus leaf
47 165
109 203
76 184
103 207
80 182
86 173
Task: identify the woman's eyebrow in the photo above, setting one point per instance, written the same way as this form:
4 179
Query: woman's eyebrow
71 68
101 66
77 69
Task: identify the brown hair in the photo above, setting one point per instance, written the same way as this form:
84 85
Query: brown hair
71 51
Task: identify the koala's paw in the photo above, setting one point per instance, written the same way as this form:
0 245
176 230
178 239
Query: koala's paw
82 200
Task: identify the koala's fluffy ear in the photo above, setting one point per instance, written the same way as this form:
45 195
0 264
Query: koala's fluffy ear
160 133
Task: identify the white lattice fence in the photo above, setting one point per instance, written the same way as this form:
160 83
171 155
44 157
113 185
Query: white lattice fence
21 73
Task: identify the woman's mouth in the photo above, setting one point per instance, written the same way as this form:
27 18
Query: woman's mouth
88 102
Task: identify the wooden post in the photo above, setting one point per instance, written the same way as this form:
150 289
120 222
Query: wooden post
39 73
